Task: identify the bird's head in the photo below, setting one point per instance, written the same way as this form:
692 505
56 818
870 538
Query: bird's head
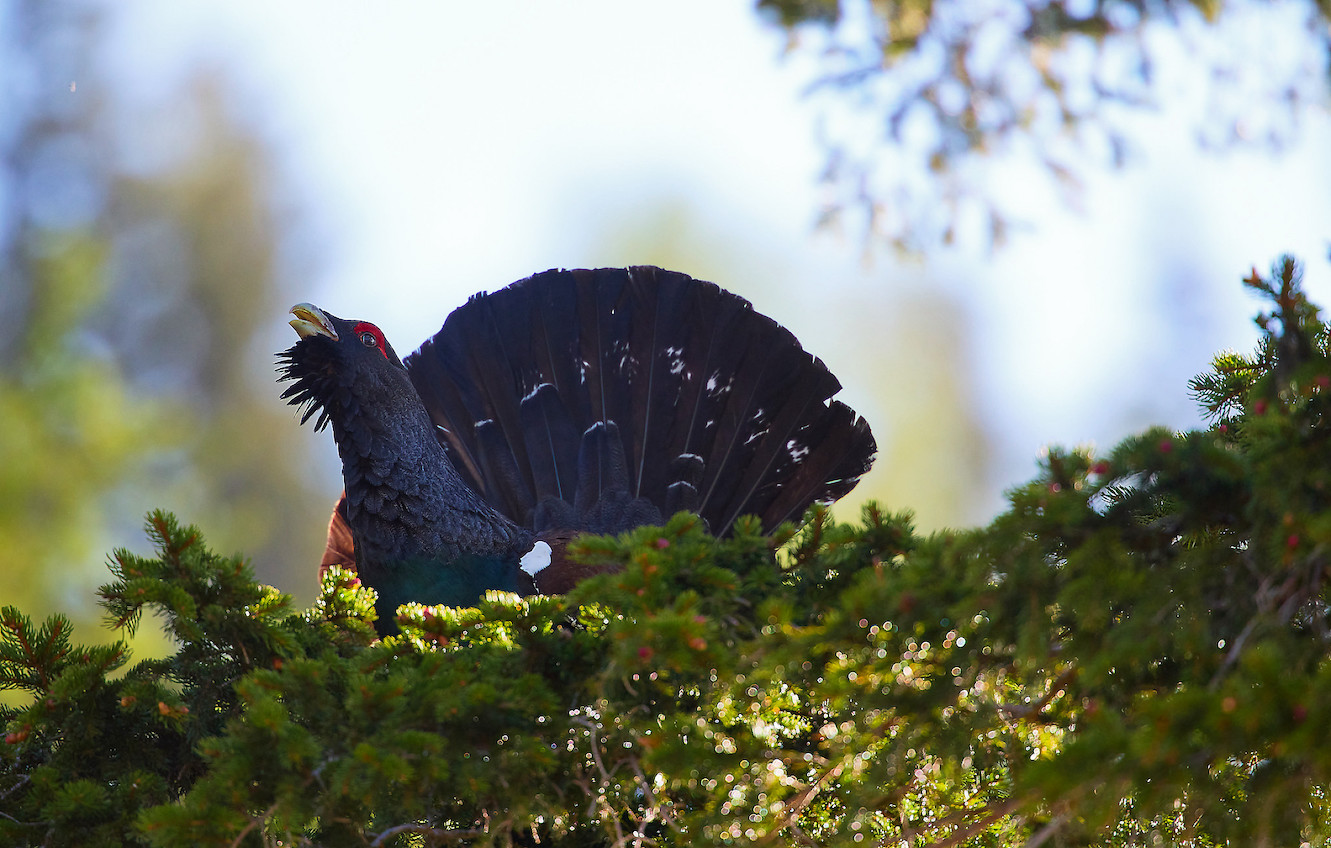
340 367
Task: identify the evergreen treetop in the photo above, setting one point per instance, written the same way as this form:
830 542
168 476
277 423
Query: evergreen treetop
1134 652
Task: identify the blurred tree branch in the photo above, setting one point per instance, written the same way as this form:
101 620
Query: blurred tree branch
919 97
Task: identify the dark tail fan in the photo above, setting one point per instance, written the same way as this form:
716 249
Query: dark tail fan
603 399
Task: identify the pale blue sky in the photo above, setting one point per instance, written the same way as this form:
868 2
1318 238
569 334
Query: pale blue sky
450 148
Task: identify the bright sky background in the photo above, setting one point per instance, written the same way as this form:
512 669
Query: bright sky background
449 148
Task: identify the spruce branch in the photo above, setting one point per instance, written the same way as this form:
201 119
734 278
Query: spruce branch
31 658
863 680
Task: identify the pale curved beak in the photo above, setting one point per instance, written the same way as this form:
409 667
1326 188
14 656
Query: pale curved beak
310 321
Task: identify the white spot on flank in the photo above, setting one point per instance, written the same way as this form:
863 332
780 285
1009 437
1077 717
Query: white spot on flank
535 559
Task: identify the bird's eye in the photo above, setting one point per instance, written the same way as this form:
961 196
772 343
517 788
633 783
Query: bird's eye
370 336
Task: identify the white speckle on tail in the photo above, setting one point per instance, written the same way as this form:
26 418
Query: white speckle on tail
535 559
676 357
531 394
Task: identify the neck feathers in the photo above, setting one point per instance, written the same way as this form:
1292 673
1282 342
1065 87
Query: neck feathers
405 501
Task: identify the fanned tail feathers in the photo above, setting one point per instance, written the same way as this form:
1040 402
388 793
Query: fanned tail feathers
603 399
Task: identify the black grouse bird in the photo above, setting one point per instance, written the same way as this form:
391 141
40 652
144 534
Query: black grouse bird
568 402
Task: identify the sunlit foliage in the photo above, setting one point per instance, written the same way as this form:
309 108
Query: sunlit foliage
1134 653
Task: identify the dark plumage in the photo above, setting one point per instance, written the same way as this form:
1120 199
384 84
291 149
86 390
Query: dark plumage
569 401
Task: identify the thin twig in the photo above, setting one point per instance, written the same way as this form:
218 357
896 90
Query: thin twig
992 814
255 821
22 781
1025 711
17 822
800 835
427 830
1045 832
598 798
656 810
801 801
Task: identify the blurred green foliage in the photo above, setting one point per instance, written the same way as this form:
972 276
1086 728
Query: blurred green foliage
1135 652
72 431
134 285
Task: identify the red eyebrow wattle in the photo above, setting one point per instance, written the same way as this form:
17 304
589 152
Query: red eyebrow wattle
366 327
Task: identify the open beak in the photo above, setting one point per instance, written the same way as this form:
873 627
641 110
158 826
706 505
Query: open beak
310 321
